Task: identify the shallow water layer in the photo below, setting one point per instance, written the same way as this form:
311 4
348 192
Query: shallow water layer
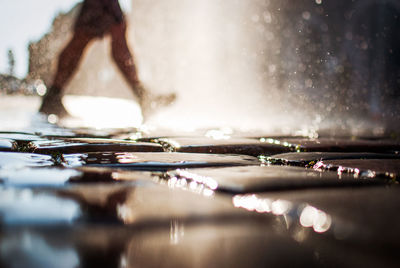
222 197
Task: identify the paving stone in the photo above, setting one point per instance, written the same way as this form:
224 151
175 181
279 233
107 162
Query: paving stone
69 146
246 146
239 244
109 175
13 160
338 145
266 178
156 161
246 241
351 219
309 159
360 209
115 207
389 168
236 244
149 203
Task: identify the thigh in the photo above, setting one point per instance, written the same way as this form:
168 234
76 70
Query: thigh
96 17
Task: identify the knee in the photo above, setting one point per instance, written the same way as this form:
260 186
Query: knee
120 51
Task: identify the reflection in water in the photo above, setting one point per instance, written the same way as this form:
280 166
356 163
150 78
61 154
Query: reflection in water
37 176
26 206
315 218
309 216
28 249
125 213
177 231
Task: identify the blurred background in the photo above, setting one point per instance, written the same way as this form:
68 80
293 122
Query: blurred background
305 66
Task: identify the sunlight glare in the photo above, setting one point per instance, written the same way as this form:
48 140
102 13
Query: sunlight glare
102 112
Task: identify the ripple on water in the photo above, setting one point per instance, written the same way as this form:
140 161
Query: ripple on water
19 160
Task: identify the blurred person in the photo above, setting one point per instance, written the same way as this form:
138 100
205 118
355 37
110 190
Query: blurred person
96 19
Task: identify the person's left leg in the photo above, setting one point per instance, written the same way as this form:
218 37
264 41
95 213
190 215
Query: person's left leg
68 62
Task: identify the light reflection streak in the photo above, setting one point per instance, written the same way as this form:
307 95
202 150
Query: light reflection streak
207 181
177 231
315 218
296 147
310 217
320 165
124 213
127 158
198 186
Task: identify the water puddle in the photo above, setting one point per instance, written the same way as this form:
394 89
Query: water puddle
70 146
13 160
156 161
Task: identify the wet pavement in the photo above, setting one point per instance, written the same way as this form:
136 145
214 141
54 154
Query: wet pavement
109 198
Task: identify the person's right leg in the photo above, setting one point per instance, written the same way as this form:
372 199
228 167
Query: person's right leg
124 59
68 62
126 64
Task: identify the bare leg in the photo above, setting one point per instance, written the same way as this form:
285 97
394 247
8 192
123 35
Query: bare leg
67 64
124 59
125 62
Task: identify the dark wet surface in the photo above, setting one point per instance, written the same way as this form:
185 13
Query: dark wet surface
223 145
116 199
309 159
69 146
340 144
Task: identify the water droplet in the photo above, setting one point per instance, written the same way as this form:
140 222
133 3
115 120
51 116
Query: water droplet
306 15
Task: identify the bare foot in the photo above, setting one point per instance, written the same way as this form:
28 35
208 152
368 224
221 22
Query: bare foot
150 103
52 104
